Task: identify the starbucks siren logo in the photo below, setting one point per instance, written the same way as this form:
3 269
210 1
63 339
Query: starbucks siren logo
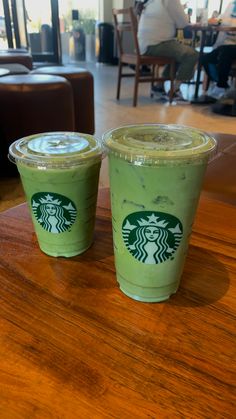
54 212
152 237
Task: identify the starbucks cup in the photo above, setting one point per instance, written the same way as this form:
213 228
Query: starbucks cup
59 172
156 173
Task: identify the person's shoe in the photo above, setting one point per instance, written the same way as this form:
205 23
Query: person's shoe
157 90
178 96
216 92
159 93
210 88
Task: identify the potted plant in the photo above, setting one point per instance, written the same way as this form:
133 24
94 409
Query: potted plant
88 26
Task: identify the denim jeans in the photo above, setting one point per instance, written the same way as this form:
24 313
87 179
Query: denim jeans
217 63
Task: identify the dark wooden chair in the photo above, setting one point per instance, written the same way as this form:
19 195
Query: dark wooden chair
135 58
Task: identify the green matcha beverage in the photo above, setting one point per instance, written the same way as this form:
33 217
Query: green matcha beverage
59 173
156 173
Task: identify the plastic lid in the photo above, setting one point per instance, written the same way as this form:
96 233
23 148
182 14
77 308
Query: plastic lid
155 143
55 149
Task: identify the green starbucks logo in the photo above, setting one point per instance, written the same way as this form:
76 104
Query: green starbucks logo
54 212
152 237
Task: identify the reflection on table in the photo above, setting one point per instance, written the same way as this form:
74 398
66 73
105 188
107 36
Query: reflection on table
4 71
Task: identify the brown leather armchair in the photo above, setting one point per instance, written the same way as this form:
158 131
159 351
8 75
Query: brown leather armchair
82 85
31 104
50 98
16 56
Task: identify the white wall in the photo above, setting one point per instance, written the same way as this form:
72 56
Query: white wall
118 4
122 4
128 3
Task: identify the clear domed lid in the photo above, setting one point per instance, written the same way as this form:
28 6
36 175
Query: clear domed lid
152 143
56 149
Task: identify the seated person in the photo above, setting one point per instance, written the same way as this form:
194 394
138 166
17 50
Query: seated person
156 34
217 63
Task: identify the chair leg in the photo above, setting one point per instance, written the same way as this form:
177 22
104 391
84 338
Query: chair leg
171 92
153 74
206 82
136 85
119 80
172 79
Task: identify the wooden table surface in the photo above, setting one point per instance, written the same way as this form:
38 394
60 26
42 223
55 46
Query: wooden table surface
220 179
73 346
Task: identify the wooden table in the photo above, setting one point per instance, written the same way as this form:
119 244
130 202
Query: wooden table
73 346
220 179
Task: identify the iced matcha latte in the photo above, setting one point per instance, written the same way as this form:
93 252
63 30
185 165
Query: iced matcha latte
156 173
59 173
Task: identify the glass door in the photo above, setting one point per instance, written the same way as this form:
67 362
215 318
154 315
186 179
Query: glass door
35 26
19 23
78 20
43 30
3 29
15 23
215 7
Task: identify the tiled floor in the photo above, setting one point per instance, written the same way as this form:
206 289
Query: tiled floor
110 114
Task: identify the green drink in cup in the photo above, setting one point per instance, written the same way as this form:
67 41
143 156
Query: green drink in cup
59 172
156 173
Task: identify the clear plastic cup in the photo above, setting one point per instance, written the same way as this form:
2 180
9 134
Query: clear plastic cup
156 173
60 172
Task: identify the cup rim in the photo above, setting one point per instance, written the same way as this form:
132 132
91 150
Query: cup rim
20 153
141 154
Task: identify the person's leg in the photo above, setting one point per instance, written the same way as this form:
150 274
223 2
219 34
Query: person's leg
185 57
221 58
226 55
209 62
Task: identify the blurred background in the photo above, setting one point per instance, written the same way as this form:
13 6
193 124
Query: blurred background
70 31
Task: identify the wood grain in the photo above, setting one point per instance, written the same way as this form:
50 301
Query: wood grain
73 346
220 179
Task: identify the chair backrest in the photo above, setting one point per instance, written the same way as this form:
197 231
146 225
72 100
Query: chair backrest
125 21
